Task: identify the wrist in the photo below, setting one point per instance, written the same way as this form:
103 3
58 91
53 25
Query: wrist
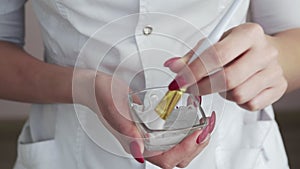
83 87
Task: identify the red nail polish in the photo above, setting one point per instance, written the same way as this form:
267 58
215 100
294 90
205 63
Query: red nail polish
202 135
171 61
136 152
174 85
177 83
212 122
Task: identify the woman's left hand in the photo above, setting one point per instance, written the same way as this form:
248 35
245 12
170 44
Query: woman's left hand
251 76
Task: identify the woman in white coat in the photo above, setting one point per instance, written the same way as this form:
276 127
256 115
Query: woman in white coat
130 39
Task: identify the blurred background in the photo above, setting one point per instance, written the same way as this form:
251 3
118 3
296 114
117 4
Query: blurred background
13 114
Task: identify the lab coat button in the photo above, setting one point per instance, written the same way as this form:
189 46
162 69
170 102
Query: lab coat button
147 30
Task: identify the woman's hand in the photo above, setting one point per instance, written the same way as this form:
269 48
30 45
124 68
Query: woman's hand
107 96
183 153
112 109
251 76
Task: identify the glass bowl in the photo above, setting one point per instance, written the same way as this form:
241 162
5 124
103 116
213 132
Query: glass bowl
157 133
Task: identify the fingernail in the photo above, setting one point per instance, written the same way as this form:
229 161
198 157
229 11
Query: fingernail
202 135
212 121
177 83
136 152
171 61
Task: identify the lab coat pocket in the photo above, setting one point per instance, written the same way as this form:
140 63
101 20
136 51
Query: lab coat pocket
254 134
241 158
36 155
248 152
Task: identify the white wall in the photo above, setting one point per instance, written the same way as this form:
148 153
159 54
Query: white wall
13 110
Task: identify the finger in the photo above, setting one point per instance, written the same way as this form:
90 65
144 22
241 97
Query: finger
176 64
133 144
197 149
129 137
211 124
188 159
266 97
174 156
221 54
237 72
241 69
255 84
238 41
122 127
125 131
226 33
203 135
136 151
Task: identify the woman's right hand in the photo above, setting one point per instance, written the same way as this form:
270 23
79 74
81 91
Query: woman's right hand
111 106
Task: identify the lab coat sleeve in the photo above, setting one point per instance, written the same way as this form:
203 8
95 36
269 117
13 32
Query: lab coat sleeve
12 21
276 15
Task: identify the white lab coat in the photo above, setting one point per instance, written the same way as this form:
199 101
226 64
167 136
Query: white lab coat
70 136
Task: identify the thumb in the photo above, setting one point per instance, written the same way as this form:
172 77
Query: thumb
131 139
127 134
136 151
